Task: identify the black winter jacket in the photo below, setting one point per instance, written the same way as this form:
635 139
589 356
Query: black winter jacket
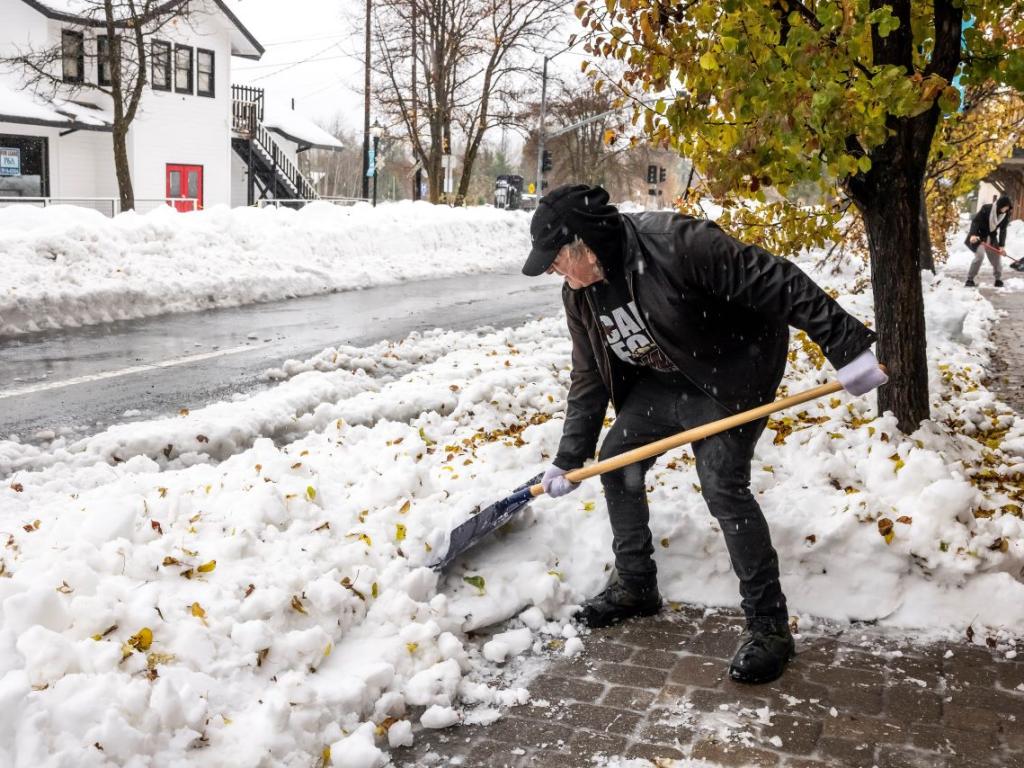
719 309
979 227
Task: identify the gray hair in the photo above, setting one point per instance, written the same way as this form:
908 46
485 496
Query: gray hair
577 248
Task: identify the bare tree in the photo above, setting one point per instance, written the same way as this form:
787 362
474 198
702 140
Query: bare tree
122 63
600 150
469 53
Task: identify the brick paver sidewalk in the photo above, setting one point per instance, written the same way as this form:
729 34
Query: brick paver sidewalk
658 689
1008 355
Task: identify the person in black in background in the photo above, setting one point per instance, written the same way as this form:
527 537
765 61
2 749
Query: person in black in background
989 229
679 325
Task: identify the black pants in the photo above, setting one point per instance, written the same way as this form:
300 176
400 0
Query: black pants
658 407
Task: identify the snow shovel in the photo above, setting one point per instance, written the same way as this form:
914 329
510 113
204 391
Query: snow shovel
1017 264
488 520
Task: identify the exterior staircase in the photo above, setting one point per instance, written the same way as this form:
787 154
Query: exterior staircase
272 174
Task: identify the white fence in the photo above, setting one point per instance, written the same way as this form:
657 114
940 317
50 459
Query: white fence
108 206
299 203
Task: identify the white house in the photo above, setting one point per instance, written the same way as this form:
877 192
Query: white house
196 137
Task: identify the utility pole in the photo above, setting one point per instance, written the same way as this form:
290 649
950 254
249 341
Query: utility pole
540 129
418 175
543 114
366 107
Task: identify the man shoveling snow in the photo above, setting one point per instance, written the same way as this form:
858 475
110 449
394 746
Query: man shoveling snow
678 325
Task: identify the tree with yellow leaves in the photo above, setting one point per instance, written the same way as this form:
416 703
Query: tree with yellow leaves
843 93
967 148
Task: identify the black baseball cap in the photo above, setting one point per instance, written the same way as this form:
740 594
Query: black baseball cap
562 215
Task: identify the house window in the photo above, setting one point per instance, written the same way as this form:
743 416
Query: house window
23 166
72 46
103 60
183 68
204 72
161 54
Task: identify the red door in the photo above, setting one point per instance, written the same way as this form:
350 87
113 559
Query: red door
185 183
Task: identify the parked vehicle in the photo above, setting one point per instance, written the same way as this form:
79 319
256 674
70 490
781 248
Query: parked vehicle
508 192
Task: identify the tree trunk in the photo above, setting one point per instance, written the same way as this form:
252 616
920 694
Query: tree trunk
435 173
892 221
889 197
123 171
926 259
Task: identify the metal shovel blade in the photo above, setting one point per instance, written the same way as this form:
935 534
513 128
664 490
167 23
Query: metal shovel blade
484 522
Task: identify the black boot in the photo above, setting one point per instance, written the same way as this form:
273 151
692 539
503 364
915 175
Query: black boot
970 283
765 649
999 283
620 601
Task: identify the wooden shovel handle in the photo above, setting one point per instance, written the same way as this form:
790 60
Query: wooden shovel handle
693 435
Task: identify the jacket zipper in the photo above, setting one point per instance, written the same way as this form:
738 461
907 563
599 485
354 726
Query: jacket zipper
604 350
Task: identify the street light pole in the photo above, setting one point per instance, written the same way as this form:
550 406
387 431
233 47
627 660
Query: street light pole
366 101
376 131
376 142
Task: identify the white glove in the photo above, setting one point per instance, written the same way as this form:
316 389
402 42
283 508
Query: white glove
862 374
555 484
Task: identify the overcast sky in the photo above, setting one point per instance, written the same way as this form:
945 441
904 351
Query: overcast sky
314 54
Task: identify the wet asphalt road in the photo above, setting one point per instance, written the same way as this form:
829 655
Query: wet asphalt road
77 382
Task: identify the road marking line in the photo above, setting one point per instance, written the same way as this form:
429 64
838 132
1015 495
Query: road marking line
6 393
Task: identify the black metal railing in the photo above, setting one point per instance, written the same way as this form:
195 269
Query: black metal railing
246 108
247 120
284 165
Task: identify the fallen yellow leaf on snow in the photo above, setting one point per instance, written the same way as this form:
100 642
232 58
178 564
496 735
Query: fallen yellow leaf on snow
885 528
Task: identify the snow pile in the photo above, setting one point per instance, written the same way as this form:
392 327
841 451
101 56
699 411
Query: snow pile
262 594
66 266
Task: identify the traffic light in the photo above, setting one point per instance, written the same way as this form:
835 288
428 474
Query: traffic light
662 175
545 162
652 174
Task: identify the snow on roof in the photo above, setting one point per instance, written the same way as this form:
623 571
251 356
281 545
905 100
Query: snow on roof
18 106
295 127
84 114
90 12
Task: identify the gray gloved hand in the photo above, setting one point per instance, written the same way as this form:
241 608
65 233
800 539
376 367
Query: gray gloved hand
862 374
555 484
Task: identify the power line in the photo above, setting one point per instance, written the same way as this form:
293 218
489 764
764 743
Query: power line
291 65
334 84
302 40
283 64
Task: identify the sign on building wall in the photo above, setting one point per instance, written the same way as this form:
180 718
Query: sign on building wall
10 161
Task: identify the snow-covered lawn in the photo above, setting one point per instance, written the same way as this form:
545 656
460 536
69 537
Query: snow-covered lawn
246 584
66 266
